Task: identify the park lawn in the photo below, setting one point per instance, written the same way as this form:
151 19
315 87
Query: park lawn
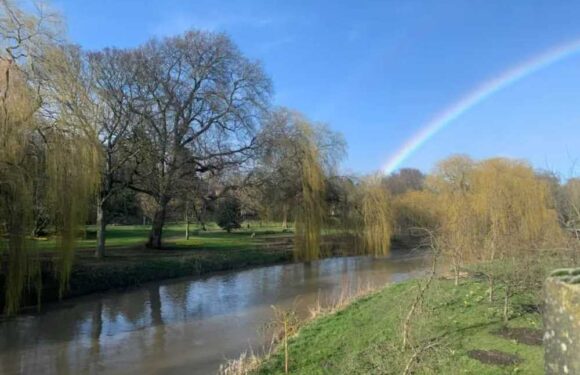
364 338
126 236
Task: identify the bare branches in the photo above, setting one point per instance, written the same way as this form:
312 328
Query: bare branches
417 354
423 287
196 102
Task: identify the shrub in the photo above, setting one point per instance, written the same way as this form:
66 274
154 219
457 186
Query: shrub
229 215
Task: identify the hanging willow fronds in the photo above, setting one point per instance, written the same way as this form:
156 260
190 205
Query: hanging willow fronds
311 211
46 143
492 210
17 178
72 166
377 215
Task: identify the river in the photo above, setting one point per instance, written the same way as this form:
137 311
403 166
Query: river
184 326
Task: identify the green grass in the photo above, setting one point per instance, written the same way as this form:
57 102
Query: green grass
123 236
365 338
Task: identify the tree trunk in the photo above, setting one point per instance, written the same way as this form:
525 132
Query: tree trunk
490 275
199 215
490 283
456 269
187 220
156 233
101 229
506 300
285 216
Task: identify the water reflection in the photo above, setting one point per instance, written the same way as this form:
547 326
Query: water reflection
186 326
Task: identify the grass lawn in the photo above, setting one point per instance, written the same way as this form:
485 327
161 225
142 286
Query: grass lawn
125 236
365 338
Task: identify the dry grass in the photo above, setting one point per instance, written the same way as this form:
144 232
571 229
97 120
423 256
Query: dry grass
345 298
247 362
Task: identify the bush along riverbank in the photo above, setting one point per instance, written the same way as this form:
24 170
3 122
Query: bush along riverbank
448 330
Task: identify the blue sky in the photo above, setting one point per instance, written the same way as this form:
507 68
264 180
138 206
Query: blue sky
377 71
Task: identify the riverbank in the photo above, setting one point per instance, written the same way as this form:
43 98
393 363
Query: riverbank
130 264
458 331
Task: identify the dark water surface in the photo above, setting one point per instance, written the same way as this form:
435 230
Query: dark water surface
185 326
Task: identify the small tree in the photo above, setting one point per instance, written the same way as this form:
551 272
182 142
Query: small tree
229 215
458 231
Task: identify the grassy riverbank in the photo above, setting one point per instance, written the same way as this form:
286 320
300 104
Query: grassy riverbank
128 263
457 330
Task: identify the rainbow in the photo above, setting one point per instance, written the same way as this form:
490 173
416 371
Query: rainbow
481 92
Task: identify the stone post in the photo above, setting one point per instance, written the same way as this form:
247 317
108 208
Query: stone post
562 322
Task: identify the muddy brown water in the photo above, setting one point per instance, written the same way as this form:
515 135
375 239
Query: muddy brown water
185 326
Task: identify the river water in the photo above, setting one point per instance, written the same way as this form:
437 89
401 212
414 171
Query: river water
185 326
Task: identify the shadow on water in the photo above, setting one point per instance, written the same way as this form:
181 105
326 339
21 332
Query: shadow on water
183 326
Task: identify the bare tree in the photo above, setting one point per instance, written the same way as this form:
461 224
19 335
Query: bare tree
114 122
406 179
199 102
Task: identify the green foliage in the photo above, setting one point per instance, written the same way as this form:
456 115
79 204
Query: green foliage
229 214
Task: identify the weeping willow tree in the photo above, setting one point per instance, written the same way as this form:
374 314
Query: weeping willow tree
18 171
310 215
415 209
376 212
515 220
514 207
73 151
496 214
72 169
365 212
43 142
